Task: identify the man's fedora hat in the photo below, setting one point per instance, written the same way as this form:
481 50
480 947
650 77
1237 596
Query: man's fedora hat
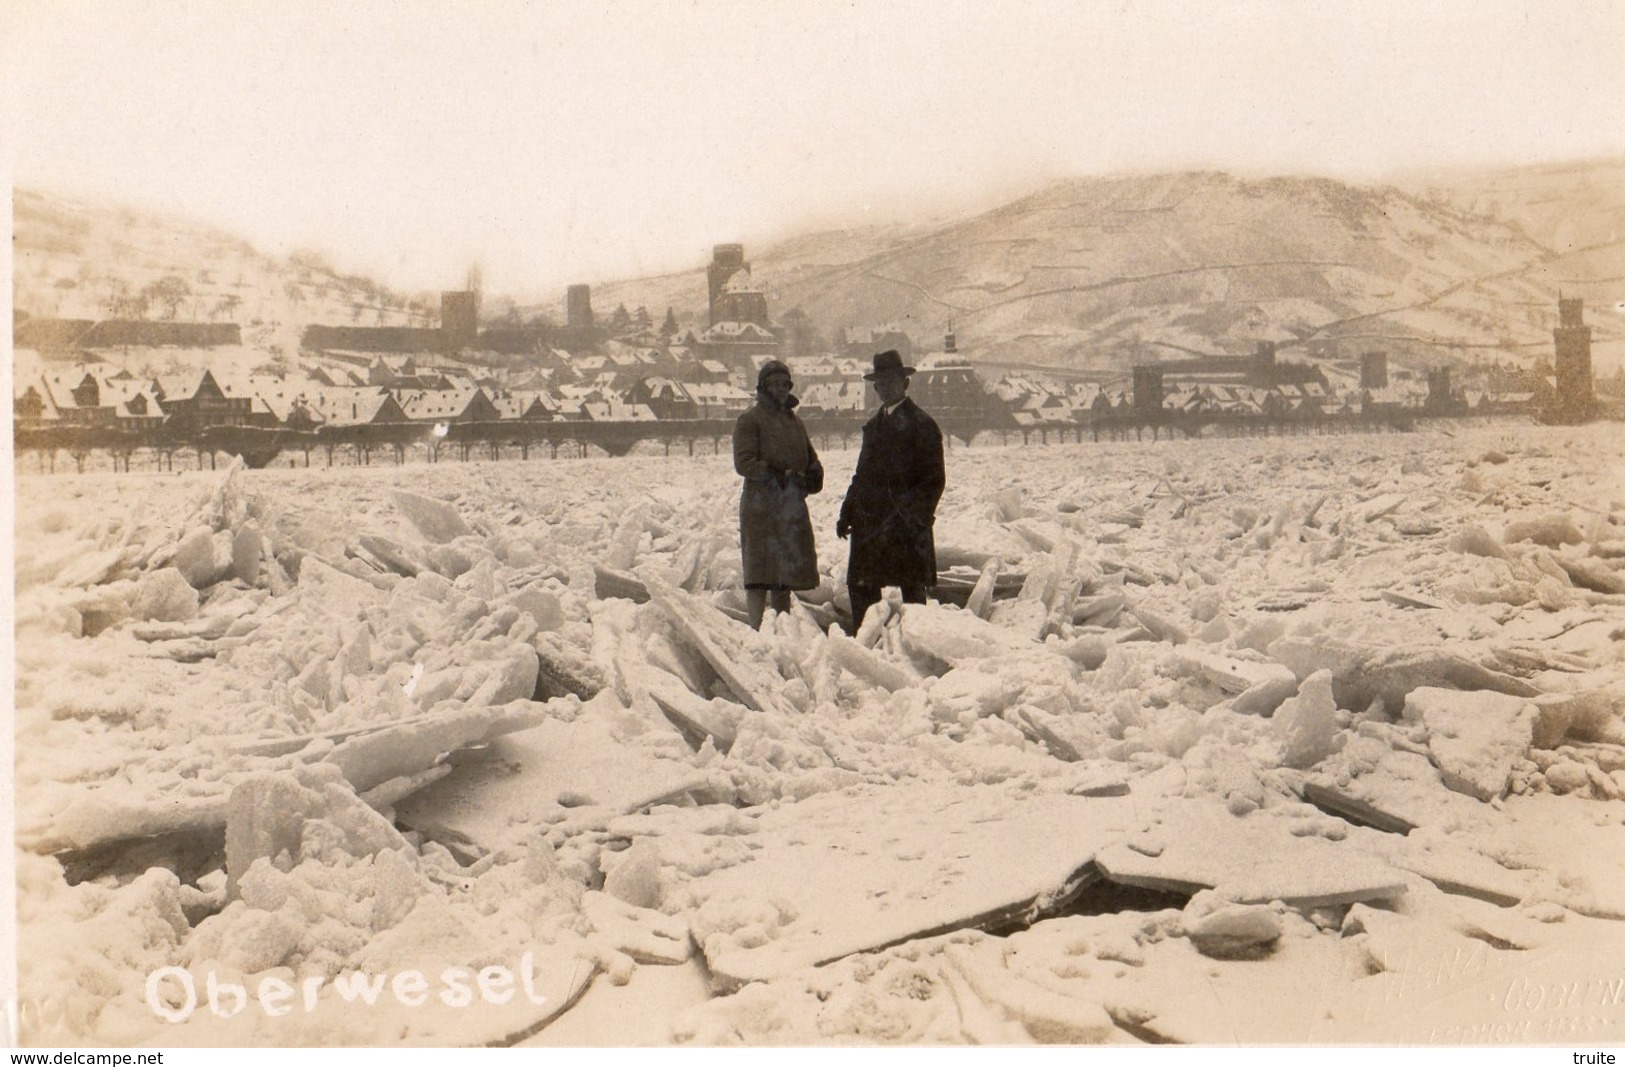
888 362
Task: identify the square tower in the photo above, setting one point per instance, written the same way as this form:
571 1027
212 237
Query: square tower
1576 400
460 318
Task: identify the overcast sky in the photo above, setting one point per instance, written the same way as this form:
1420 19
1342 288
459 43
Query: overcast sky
568 141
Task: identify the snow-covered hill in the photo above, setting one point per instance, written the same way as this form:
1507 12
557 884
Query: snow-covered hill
75 259
1090 273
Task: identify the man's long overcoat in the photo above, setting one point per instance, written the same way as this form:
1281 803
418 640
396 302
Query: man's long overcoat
892 502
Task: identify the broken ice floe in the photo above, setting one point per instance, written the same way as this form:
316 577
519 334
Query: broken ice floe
1313 721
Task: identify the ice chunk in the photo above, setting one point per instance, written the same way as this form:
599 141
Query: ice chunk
436 520
1006 503
1231 674
1474 540
609 582
695 717
734 652
1567 776
1362 673
980 602
1475 738
623 543
165 596
967 691
265 818
450 560
1556 715
334 586
1328 796
952 636
1598 575
1267 695
1160 627
1225 930
508 678
247 549
1382 505
405 748
1306 724
635 878
1099 610
833 865
501 796
1548 530
1026 618
872 667
1251 861
545 607
1402 598
563 669
80 569
646 935
1047 1016
406 562
199 557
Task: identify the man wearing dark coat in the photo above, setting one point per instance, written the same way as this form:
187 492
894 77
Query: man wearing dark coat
776 458
891 505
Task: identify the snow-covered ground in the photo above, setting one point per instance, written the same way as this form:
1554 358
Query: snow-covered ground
1300 740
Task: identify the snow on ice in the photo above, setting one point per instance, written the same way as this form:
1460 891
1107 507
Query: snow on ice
1289 740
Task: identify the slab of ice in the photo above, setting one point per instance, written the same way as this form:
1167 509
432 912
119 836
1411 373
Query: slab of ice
405 748
733 652
936 632
204 557
247 549
1401 783
1363 674
405 561
1225 930
165 595
337 588
980 601
1475 737
563 669
1435 987
1474 540
1549 530
512 791
1047 1016
646 935
437 521
1256 859
869 867
1232 674
619 583
1452 866
1306 724
1601 576
695 717
1157 987
267 815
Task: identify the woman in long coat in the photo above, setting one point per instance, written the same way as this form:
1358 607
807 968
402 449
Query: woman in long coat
776 458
